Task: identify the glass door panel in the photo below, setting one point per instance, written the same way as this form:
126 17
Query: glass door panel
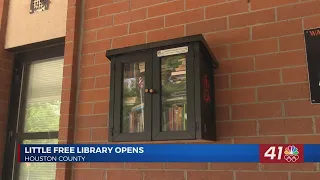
133 97
173 93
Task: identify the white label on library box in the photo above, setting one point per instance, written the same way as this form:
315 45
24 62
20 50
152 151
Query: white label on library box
173 51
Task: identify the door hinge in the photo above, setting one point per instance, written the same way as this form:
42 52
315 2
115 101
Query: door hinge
196 126
16 73
112 131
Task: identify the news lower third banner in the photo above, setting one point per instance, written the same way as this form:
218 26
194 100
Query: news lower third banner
295 153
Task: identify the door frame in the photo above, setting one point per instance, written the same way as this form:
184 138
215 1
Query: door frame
38 52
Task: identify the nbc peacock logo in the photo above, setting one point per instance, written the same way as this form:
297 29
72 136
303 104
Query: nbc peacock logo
291 153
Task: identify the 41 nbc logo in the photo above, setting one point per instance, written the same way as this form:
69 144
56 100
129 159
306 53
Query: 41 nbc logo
291 153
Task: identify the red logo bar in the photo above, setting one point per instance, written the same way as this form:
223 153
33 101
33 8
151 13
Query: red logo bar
281 153
18 153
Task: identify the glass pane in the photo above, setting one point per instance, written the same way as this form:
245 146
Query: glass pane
38 171
44 85
173 93
133 97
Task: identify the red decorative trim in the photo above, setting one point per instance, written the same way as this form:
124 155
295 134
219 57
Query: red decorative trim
206 89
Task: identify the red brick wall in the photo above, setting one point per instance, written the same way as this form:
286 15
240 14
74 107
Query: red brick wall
5 80
262 84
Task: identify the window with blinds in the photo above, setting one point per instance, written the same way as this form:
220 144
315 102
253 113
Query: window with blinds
41 93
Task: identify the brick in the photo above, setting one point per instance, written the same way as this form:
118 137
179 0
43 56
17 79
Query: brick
222 81
220 52
87 60
82 174
129 40
100 58
62 174
111 32
190 4
283 92
227 9
262 175
69 36
299 10
163 175
318 125
309 139
184 17
86 84
114 8
102 82
234 166
286 126
254 47
101 94
89 36
98 22
96 70
71 3
222 113
207 175
107 165
252 18
66 83
130 16
166 8
255 5
71 24
82 135
65 95
144 3
235 65
229 36
260 140
96 3
257 78
91 13
194 166
67 71
147 25
288 167
301 108
277 29
296 74
164 34
69 47
81 165
99 134
207 26
92 121
304 175
68 59
253 111
101 107
64 108
96 46
235 96
231 129
85 108
280 60
311 22
144 165
4 96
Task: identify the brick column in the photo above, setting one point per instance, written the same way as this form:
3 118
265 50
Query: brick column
6 63
69 83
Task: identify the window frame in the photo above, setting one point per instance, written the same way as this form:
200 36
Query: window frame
14 135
